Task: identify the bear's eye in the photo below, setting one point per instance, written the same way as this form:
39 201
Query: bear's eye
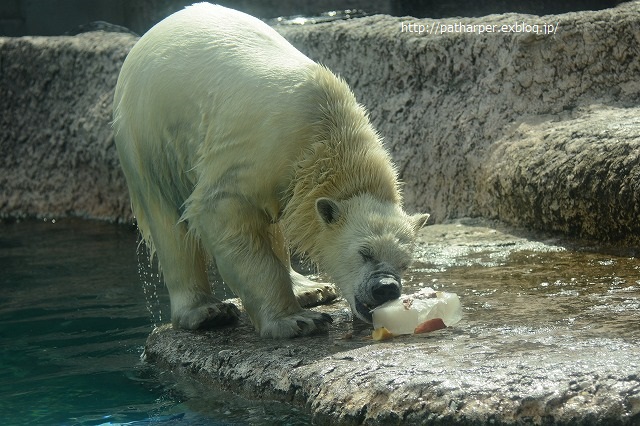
366 254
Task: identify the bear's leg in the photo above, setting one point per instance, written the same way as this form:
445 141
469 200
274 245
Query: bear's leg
238 238
184 268
309 293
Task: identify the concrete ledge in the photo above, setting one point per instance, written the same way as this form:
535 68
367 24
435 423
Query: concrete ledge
416 381
520 355
569 172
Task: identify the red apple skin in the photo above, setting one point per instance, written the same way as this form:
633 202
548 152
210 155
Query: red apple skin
430 325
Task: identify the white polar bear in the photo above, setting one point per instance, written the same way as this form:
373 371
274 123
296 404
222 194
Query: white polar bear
234 144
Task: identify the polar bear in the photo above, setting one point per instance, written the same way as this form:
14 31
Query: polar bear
236 146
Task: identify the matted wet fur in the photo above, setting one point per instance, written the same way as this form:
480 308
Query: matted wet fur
234 144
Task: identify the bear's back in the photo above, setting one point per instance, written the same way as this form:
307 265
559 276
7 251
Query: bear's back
205 27
203 55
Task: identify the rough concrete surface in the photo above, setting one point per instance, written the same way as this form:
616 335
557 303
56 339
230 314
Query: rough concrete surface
414 380
526 352
442 102
57 154
568 172
446 104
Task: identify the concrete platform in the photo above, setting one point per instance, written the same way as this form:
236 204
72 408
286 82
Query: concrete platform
528 351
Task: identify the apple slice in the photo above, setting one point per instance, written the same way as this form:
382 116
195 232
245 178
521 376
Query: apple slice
429 326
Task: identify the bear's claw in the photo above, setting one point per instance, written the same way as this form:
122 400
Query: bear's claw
310 293
303 323
208 316
320 323
317 296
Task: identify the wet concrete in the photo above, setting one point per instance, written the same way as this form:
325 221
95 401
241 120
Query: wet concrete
550 335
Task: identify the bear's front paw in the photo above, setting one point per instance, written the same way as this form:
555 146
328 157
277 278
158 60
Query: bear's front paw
310 293
207 316
302 323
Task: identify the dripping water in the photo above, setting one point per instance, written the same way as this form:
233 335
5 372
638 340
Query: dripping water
149 274
151 279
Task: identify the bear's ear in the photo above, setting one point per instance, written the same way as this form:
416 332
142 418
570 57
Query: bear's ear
328 210
420 220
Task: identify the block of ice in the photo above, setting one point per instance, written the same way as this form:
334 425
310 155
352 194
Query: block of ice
403 315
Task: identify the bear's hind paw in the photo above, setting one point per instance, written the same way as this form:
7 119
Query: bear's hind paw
303 323
208 316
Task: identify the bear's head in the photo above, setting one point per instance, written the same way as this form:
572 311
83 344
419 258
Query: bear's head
366 245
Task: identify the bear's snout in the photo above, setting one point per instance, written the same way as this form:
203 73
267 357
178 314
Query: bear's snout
385 289
379 288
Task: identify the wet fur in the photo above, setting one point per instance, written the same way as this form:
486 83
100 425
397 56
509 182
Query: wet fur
228 138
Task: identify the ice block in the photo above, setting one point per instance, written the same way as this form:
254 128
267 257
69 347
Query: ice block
403 315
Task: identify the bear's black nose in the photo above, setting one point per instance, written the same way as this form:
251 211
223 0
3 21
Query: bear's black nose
385 289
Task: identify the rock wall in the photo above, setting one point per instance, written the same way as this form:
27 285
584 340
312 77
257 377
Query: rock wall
533 129
576 172
448 104
57 154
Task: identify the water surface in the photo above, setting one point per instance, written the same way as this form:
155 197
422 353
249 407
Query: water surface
73 323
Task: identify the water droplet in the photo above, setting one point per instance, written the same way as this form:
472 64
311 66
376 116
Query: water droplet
147 271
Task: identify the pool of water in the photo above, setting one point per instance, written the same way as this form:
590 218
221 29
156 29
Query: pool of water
73 323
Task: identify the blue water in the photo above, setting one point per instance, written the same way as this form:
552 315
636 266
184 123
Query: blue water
73 323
